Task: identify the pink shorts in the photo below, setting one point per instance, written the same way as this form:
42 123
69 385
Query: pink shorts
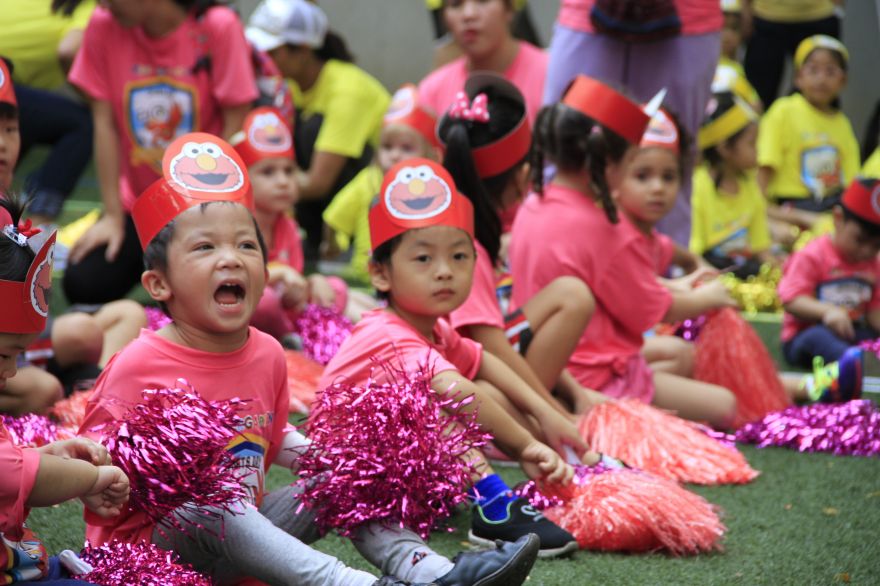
633 379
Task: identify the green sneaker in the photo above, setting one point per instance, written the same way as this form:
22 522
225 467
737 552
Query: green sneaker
839 381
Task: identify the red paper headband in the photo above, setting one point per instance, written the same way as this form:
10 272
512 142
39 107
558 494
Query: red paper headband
26 304
607 107
862 198
661 132
197 168
264 135
418 193
405 110
7 90
495 158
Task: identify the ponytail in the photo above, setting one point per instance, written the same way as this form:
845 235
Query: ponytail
15 260
334 47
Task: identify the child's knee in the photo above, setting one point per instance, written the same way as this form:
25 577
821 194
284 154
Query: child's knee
77 338
574 296
128 311
723 406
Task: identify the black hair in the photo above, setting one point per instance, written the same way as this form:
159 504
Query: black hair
15 260
574 142
8 110
460 138
382 256
869 229
334 47
66 7
724 101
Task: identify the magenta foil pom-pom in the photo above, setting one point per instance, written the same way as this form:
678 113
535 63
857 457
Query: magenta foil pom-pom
33 431
156 318
846 429
173 449
689 329
144 564
322 330
391 452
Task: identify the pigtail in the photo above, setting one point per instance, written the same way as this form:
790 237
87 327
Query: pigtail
15 260
597 147
543 127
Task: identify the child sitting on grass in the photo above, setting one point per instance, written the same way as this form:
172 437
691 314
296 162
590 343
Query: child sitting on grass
206 263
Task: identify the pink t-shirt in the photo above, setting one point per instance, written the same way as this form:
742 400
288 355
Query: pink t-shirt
22 555
662 249
257 372
481 307
386 338
526 72
697 16
162 88
566 233
818 270
286 243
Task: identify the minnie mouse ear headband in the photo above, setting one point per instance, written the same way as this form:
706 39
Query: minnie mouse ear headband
197 168
7 90
418 193
607 107
717 130
264 135
472 104
810 44
26 304
862 198
405 110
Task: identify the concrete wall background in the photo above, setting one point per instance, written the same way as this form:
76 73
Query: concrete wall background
393 40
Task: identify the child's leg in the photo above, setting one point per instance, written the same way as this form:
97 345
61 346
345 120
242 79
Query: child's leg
694 400
76 339
557 316
121 321
669 354
816 340
358 303
31 390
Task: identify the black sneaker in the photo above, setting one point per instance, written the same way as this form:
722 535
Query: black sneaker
392 581
522 518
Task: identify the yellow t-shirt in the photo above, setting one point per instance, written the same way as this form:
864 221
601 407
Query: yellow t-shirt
814 154
728 223
348 216
871 168
351 103
30 38
792 10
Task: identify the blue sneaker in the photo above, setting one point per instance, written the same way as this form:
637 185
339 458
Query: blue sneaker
839 381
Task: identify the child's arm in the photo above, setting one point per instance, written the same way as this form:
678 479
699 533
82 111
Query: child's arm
320 291
687 260
874 319
810 309
103 489
688 304
294 286
537 460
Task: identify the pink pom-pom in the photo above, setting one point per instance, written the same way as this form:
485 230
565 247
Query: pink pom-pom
627 510
156 318
33 431
322 330
851 429
661 443
173 449
391 452
144 564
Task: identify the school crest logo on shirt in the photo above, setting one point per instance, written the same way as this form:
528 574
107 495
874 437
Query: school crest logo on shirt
158 110
205 167
417 193
820 170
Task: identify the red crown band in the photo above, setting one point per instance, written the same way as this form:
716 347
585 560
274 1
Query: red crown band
607 107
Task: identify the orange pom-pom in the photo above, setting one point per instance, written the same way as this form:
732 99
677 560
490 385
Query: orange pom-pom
730 354
303 374
626 510
71 412
661 443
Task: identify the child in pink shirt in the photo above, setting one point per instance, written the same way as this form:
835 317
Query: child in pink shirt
206 263
422 233
60 471
482 29
588 136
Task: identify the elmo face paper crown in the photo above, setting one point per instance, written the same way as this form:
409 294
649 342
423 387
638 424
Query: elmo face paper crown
607 107
418 193
405 110
661 132
197 168
862 198
7 90
26 304
264 135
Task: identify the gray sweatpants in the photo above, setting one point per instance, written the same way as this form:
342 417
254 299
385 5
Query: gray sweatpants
270 544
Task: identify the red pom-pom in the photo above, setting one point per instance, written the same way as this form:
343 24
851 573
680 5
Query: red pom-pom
627 510
393 452
173 449
71 412
730 354
322 330
661 443
125 564
303 375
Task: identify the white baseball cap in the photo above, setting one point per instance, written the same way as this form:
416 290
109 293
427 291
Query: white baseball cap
279 22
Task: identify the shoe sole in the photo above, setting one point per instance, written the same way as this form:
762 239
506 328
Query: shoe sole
566 549
517 568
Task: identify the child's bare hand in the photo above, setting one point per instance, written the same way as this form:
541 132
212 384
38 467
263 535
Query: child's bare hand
559 431
321 292
109 493
540 461
78 448
716 294
292 286
838 321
